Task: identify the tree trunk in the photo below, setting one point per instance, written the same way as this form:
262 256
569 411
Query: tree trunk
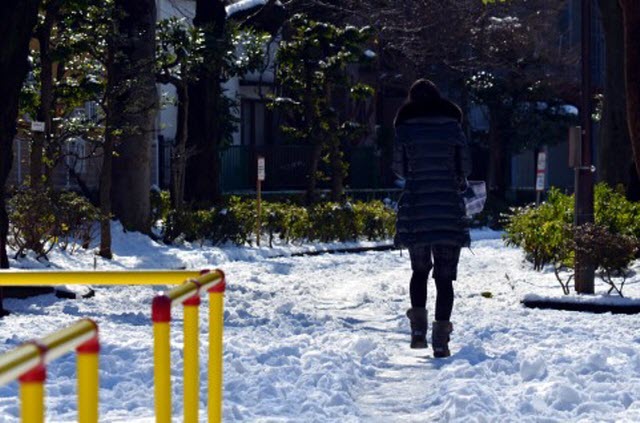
107 163
497 174
179 154
631 16
335 153
614 155
17 19
337 169
313 172
309 119
203 168
41 139
133 110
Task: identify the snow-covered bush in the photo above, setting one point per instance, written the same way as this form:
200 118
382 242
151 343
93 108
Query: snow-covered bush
376 219
41 218
613 211
325 222
288 222
547 235
333 221
543 231
610 252
160 205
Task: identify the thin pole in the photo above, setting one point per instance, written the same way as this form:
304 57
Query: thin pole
32 395
191 361
216 353
161 317
88 381
584 275
259 222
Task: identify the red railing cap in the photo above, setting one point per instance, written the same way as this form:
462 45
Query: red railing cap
193 301
161 309
92 346
37 374
219 287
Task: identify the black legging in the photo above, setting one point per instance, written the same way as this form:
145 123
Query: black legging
444 294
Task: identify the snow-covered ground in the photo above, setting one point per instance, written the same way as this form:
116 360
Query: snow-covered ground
325 338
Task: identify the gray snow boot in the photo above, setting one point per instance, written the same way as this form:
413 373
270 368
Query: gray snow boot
418 318
440 338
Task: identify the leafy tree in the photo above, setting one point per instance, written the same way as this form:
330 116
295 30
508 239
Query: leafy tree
615 157
62 79
520 84
17 19
312 66
631 21
227 52
205 96
180 58
179 51
133 103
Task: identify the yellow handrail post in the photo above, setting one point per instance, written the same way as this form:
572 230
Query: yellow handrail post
161 316
191 361
88 380
216 325
32 395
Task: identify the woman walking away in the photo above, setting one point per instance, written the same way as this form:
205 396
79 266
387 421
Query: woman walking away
431 154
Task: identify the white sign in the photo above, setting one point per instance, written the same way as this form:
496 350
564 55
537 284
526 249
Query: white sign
261 172
542 161
540 182
37 126
541 171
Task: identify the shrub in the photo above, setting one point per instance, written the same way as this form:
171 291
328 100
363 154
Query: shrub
547 235
542 232
333 221
32 222
160 205
325 222
76 220
187 225
288 222
610 252
613 211
41 218
377 220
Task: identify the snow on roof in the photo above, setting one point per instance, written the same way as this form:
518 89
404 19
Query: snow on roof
570 110
370 53
242 5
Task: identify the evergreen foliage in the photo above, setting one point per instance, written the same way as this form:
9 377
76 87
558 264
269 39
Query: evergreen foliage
236 222
548 236
312 65
42 218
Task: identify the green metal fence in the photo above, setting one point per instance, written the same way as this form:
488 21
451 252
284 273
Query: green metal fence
287 167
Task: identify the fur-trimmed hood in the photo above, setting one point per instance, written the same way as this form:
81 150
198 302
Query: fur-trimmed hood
437 108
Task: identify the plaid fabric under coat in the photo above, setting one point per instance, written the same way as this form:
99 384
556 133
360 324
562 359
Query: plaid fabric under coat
444 262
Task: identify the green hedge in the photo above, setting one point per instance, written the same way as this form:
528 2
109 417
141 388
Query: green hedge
290 223
547 235
41 218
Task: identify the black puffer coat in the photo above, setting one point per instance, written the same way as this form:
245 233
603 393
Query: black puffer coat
431 153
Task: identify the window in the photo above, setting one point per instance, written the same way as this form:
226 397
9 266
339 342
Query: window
77 155
256 123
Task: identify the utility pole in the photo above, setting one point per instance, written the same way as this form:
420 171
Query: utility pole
584 271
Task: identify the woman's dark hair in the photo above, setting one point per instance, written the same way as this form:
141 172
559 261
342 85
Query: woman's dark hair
424 91
424 100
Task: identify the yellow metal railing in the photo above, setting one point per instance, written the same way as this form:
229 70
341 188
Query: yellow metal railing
28 362
96 277
188 294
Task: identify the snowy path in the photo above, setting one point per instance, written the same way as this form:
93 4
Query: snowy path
324 338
